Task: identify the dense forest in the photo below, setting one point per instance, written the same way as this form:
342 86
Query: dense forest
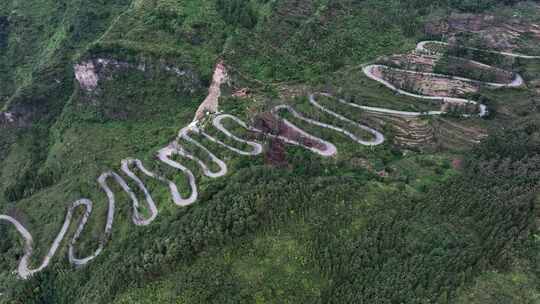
451 221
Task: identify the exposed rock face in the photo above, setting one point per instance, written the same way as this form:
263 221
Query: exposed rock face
6 118
172 69
9 119
90 72
86 75
102 80
9 116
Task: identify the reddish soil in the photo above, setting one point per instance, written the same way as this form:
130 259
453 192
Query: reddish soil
457 164
276 155
270 124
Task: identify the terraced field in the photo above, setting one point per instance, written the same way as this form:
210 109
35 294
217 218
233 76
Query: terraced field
286 132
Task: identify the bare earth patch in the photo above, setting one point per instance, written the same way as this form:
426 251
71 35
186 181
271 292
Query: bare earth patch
492 31
271 125
211 102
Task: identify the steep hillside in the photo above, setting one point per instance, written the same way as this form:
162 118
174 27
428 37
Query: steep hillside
411 177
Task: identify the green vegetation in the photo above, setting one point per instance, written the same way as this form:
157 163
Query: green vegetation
371 225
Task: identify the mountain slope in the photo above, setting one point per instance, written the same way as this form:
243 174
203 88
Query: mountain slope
90 84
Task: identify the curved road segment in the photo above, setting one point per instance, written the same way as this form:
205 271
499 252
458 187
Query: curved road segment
166 155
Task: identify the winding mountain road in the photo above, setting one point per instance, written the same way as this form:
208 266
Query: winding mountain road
369 71
422 47
175 149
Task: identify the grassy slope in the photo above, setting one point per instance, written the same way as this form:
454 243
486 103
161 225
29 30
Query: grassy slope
260 246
